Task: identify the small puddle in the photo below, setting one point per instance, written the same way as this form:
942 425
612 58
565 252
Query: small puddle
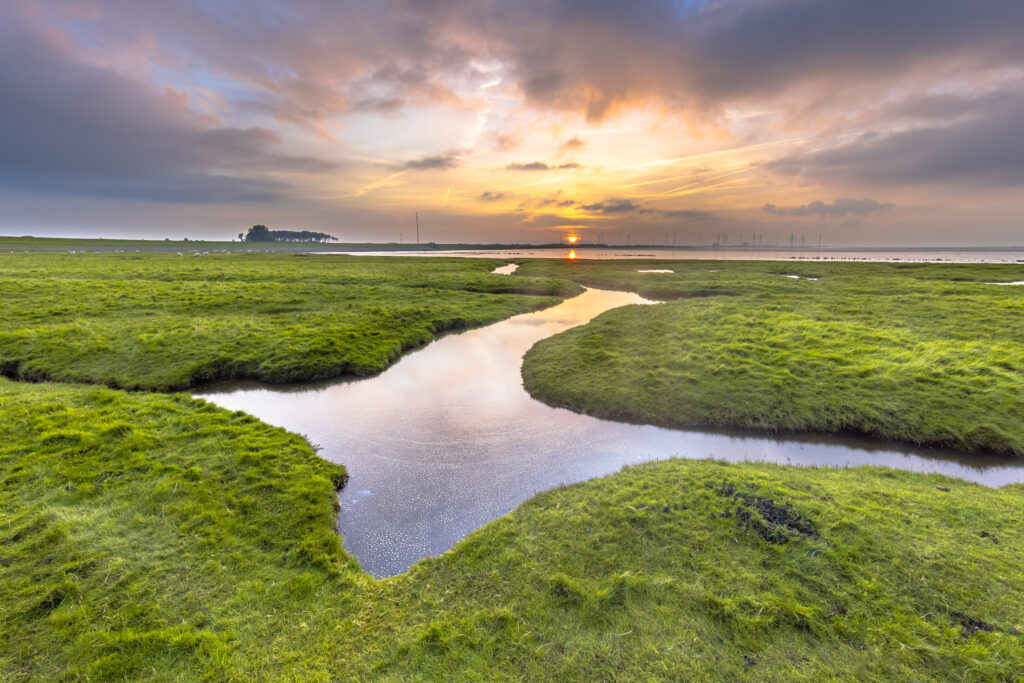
507 269
447 439
1019 282
801 277
655 270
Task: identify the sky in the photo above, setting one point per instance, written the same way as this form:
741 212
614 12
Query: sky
859 122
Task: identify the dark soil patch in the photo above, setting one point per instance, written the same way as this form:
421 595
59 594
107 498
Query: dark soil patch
970 625
774 522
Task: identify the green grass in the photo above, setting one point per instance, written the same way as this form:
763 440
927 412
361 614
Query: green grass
927 354
159 321
155 536
160 537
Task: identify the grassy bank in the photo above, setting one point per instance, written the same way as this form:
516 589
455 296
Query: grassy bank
928 354
152 536
155 536
160 321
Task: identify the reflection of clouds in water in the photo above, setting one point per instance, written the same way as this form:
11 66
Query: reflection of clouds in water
446 439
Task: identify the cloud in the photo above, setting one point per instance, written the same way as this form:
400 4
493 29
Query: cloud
436 162
621 207
556 201
491 196
689 214
616 206
219 101
593 58
378 105
390 87
504 143
596 58
541 166
549 220
837 209
531 166
981 147
70 127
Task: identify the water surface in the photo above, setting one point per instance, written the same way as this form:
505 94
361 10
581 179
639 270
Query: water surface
879 254
446 439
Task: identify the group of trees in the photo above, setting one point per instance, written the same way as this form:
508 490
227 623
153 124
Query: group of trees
261 233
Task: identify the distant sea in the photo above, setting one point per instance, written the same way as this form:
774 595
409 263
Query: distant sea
901 254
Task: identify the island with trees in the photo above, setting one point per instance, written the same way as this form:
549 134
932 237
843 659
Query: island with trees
261 233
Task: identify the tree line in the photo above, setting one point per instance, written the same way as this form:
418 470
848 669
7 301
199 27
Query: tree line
261 233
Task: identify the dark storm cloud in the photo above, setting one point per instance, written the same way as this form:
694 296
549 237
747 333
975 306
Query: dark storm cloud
981 147
165 187
69 127
836 209
436 162
608 54
80 112
315 60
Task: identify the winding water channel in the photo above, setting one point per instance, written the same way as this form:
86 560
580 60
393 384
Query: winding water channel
446 439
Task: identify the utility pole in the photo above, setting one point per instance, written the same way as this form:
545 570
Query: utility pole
417 227
400 239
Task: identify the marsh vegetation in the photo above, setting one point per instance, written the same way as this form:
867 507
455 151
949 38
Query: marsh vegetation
925 354
148 535
161 322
